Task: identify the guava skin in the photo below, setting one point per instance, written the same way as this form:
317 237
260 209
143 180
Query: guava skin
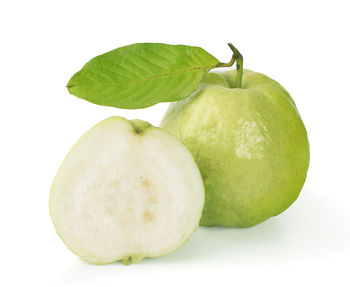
250 144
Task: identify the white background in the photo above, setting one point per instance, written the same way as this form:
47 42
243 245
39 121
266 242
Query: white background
302 44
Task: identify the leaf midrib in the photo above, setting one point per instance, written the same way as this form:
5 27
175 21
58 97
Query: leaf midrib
151 77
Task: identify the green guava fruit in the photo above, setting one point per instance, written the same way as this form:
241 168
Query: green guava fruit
250 145
126 190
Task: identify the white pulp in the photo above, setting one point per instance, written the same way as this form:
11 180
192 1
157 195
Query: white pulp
120 194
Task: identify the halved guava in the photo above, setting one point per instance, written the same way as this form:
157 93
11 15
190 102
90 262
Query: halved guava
126 190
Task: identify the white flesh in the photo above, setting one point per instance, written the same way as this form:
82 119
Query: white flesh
121 194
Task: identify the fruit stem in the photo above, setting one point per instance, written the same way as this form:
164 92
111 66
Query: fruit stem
239 65
238 58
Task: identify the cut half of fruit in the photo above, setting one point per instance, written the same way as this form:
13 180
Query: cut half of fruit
126 191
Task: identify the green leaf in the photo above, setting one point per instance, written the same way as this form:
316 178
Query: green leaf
141 75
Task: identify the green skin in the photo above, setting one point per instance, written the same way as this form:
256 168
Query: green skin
250 145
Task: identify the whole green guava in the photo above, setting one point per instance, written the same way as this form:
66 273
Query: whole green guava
250 144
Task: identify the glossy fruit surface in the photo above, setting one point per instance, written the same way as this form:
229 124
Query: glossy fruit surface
250 145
